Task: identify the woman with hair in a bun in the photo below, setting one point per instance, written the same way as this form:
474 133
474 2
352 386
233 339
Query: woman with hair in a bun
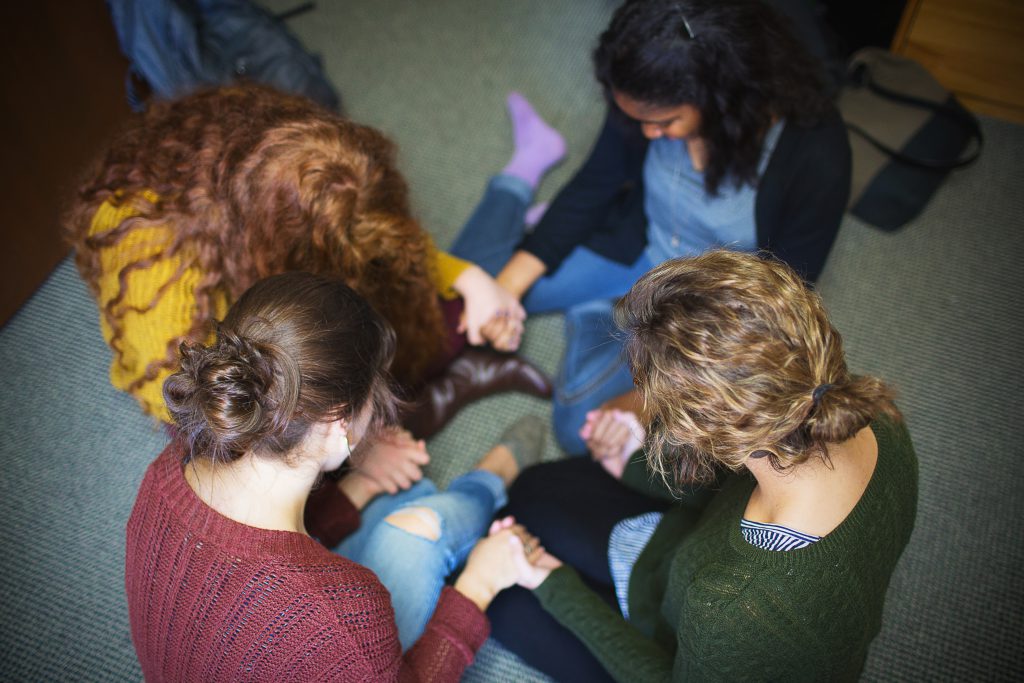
782 576
718 134
223 579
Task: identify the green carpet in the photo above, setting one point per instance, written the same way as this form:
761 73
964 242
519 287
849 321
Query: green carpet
932 308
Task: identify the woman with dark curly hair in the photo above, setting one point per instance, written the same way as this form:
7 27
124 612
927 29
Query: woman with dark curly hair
203 196
782 575
718 134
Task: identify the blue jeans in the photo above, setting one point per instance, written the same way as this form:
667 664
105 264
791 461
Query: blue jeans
583 287
414 568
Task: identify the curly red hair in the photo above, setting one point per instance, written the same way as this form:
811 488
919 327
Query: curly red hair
255 183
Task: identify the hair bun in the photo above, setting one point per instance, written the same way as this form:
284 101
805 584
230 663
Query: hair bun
226 397
838 412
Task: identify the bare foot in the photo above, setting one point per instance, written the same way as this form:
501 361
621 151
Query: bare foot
500 461
521 445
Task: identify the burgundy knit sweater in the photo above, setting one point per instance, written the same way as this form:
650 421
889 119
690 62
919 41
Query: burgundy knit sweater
210 599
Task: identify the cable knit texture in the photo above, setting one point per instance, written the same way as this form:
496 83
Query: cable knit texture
705 605
210 599
148 333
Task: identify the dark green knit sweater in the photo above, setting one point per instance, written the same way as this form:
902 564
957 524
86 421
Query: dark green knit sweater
707 605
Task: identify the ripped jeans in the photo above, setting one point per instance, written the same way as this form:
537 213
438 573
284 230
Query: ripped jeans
412 567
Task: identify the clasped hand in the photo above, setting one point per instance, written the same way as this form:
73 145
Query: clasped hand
612 435
394 460
492 314
507 556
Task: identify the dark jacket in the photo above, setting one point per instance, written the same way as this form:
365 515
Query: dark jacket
800 200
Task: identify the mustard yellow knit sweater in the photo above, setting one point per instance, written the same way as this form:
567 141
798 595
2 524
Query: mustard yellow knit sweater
162 319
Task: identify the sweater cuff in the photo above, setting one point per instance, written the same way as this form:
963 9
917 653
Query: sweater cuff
329 515
636 475
551 257
447 269
559 583
460 620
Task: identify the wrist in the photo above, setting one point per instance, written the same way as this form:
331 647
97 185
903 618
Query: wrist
467 279
359 488
519 274
475 590
629 402
545 576
516 289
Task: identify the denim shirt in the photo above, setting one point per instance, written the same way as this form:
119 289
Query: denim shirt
682 219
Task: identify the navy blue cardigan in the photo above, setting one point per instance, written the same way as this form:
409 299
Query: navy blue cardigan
800 200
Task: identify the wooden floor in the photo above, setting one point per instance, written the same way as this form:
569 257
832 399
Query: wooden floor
973 47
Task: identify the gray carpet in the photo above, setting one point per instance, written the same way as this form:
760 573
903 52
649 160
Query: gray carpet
931 308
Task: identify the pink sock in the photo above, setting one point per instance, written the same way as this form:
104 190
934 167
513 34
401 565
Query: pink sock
538 146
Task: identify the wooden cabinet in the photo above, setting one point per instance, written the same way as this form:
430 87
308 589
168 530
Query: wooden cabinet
62 90
973 47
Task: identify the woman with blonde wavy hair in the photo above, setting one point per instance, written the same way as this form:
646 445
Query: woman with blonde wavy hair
203 196
783 574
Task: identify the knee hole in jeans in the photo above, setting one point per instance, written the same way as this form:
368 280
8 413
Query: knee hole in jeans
418 521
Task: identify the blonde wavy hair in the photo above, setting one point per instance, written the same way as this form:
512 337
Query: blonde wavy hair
727 351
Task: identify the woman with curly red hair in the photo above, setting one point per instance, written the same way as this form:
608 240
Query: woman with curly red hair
204 196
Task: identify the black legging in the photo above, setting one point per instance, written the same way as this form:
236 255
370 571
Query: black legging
572 506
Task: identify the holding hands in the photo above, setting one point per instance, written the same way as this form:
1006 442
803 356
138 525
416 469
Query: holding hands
534 563
492 313
393 461
509 555
496 562
612 435
503 332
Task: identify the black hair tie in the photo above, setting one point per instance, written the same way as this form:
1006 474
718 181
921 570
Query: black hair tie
818 392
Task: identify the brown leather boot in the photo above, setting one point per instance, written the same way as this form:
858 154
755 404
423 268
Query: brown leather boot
476 373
